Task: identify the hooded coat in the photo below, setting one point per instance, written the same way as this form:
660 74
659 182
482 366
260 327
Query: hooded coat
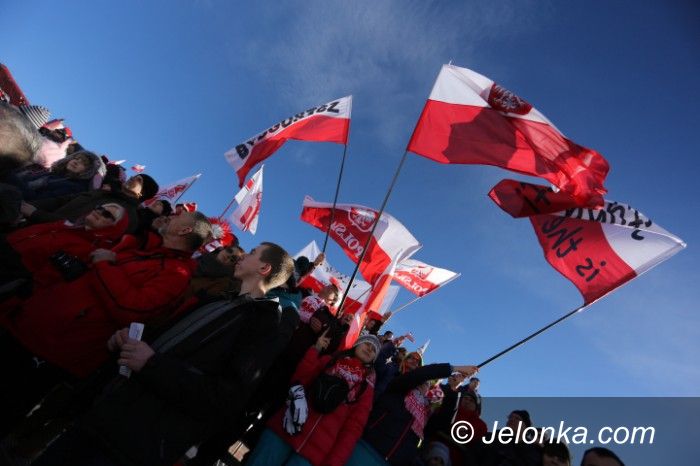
329 439
68 324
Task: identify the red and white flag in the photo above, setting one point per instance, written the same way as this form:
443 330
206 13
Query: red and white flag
174 190
138 168
520 199
599 250
420 278
472 120
325 123
325 274
351 229
249 199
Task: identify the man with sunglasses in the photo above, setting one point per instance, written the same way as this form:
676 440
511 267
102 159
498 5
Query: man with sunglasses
65 326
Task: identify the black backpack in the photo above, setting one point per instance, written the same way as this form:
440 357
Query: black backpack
328 391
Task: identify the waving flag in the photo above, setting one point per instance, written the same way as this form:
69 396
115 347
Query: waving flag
325 274
325 123
351 229
9 90
420 278
138 168
249 199
472 120
174 190
520 199
599 250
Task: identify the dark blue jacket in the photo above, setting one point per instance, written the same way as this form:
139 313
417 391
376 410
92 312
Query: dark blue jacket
388 429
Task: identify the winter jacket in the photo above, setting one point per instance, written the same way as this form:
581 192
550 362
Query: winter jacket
328 439
69 324
386 366
191 391
37 243
389 428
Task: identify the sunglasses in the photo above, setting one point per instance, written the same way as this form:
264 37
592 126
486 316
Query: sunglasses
105 213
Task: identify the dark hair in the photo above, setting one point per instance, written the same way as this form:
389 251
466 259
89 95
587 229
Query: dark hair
602 452
475 378
167 207
149 187
281 263
557 450
201 231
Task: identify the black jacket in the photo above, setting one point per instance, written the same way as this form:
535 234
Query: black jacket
190 392
389 426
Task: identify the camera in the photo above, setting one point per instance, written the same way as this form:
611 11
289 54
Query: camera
68 265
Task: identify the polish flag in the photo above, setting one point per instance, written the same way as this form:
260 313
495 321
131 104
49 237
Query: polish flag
9 90
381 298
420 278
520 199
470 119
138 168
351 229
324 274
249 199
174 190
599 250
325 123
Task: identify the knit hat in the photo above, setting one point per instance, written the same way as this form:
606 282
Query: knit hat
36 114
150 187
438 450
371 339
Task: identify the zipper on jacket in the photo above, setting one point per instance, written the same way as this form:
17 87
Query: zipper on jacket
311 432
398 442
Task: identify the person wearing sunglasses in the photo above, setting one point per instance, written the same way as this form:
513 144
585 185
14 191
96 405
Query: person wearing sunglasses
33 246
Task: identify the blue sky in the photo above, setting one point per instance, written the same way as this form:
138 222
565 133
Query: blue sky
174 84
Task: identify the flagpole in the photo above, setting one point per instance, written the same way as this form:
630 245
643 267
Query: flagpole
335 199
188 187
530 337
227 208
371 233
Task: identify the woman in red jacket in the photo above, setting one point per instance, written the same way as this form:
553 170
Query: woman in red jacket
323 432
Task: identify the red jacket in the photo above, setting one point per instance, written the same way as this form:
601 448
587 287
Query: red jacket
37 243
69 324
327 439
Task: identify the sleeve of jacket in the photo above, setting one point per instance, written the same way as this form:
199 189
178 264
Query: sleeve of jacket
127 300
351 430
442 419
215 396
388 351
412 379
310 366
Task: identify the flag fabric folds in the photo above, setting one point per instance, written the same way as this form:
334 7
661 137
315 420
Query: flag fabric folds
249 199
420 278
174 190
598 250
351 229
329 122
469 119
325 274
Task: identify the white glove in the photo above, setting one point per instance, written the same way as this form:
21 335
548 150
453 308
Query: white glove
297 410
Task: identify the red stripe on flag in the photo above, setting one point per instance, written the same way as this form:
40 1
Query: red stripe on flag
318 128
579 250
466 134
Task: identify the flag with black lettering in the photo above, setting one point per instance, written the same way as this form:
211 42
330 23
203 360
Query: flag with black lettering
329 122
598 250
351 229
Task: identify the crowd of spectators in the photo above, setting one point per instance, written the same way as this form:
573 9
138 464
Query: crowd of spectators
233 350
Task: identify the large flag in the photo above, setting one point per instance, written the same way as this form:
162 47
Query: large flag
174 190
325 274
470 119
420 278
325 123
599 250
520 199
249 199
351 229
